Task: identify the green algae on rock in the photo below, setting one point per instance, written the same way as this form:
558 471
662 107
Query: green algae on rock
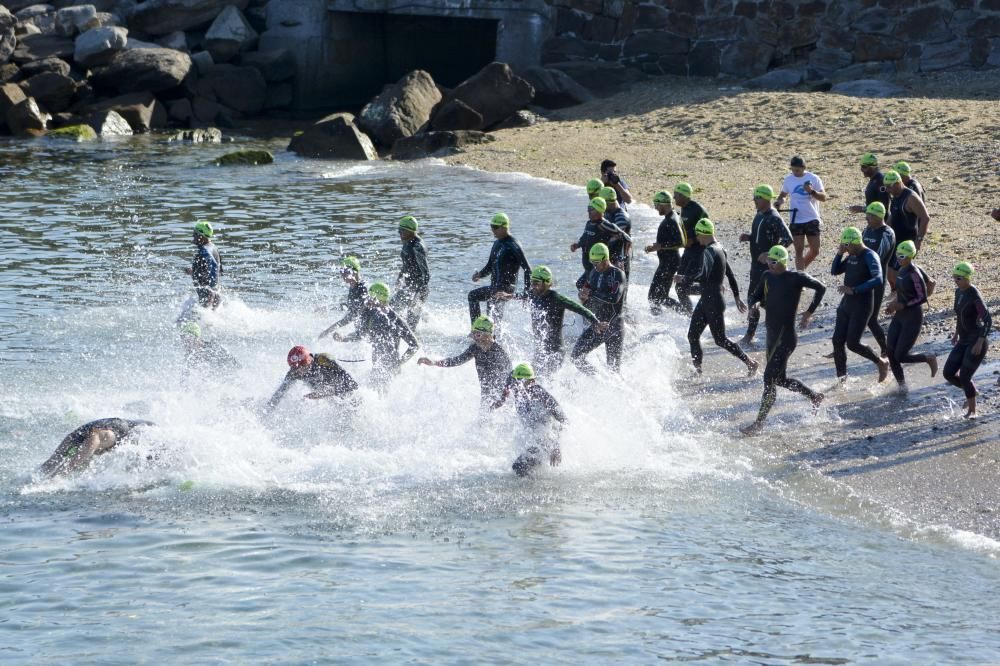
74 132
245 158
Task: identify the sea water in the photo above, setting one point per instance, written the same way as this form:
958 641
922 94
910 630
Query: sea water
394 531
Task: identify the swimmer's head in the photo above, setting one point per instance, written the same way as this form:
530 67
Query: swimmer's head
380 292
299 357
500 220
902 168
778 254
482 325
907 249
191 329
963 270
593 187
704 227
877 209
598 252
523 371
408 223
608 194
765 192
599 204
850 236
541 274
351 264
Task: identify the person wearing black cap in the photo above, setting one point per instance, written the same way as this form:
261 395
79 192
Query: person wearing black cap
610 177
803 190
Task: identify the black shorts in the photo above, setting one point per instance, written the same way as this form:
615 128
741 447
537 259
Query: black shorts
806 228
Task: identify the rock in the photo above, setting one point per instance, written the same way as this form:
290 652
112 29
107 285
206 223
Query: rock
202 62
25 29
867 88
229 35
205 110
240 88
274 65
53 91
154 70
825 60
601 78
141 110
522 118
280 96
245 158
37 19
776 79
55 65
436 144
457 115
109 20
74 133
206 135
99 46
134 43
39 47
334 137
73 20
746 58
494 93
401 109
180 110
9 72
109 123
26 119
161 17
10 96
8 39
555 89
175 40
950 55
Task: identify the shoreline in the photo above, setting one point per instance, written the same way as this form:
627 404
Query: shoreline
913 455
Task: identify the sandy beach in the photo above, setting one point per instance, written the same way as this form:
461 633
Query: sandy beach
914 455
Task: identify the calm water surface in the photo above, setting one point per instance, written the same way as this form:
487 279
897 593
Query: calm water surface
395 533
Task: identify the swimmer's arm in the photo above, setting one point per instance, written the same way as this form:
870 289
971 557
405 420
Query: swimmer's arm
278 395
819 291
452 361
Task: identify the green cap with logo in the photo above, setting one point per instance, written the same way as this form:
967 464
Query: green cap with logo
764 192
963 269
778 253
608 194
483 325
599 204
409 223
903 168
705 227
192 329
500 220
850 236
594 186
876 208
684 189
907 249
661 197
204 228
891 178
598 252
351 263
379 291
541 274
523 371
869 159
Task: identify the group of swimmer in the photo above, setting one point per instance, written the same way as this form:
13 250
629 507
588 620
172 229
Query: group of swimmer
690 261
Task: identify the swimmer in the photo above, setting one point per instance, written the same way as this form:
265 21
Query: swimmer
598 229
690 211
767 230
602 293
205 356
875 188
506 257
972 329
206 267
91 439
913 288
492 362
541 415
357 293
880 239
414 275
670 241
321 372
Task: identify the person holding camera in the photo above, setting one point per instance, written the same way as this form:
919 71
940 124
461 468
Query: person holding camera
610 177
803 190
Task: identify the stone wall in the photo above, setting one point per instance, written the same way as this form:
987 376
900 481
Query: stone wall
827 39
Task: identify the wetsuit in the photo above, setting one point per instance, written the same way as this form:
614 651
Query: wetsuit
493 367
711 308
875 190
779 295
670 237
413 280
882 241
621 249
766 231
324 375
602 231
537 410
206 269
384 328
915 185
863 272
505 258
547 314
904 329
691 212
357 298
606 292
972 321
69 448
902 221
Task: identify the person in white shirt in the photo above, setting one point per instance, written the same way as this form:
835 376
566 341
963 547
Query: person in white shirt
803 190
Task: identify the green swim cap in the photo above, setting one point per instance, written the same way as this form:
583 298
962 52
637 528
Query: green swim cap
593 187
599 252
483 325
191 328
850 236
608 194
500 220
891 178
705 227
661 197
764 192
903 168
409 223
907 249
684 189
779 254
352 263
379 291
204 228
523 371
599 204
963 270
876 208
869 159
542 274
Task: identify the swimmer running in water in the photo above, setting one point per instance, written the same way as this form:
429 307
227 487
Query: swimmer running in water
541 416
506 257
972 329
357 293
91 439
492 362
913 288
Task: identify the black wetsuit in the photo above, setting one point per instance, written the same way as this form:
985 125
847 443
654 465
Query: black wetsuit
904 329
915 185
779 295
882 241
606 292
691 212
670 237
902 221
413 281
357 298
621 250
766 231
506 257
384 329
711 308
875 190
493 367
602 231
863 272
206 270
70 446
324 375
972 321
537 409
547 314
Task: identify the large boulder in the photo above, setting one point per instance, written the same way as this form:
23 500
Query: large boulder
141 110
8 24
36 18
176 40
436 144
26 119
135 70
555 89
11 95
38 47
79 132
109 123
274 65
99 46
71 21
229 35
56 65
239 88
457 115
334 137
867 88
53 91
776 79
161 17
494 93
401 109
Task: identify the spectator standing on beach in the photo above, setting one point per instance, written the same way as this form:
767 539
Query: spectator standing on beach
880 239
972 329
905 172
506 258
875 189
766 231
610 177
913 288
669 242
804 192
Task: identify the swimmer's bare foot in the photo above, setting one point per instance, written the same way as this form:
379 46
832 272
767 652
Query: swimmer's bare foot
817 400
883 371
754 428
752 367
932 364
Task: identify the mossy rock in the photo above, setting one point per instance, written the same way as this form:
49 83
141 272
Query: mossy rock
246 158
74 132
